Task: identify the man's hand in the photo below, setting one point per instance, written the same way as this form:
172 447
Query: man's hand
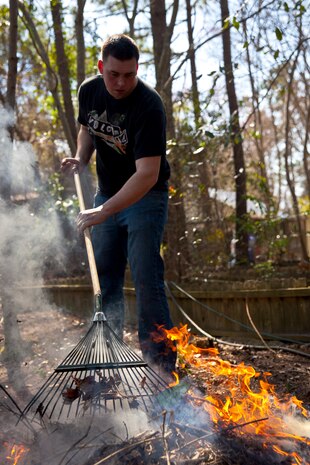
70 165
87 218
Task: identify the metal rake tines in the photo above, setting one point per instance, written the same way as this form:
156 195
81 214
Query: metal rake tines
101 346
70 394
101 374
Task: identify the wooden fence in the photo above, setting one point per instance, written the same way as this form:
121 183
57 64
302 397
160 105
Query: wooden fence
277 312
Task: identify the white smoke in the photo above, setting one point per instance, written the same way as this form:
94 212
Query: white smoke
298 426
30 239
23 168
29 235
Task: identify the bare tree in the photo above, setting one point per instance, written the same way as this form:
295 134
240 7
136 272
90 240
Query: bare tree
287 158
63 68
306 152
200 155
162 35
12 61
176 254
131 17
305 76
258 129
236 141
80 42
10 100
192 60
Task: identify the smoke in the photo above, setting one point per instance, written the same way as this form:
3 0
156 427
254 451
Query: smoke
27 240
18 159
86 438
30 232
31 238
298 426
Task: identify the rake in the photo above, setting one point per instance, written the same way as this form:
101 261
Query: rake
101 373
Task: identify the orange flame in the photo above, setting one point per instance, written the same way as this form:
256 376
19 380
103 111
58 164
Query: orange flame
237 401
177 380
16 453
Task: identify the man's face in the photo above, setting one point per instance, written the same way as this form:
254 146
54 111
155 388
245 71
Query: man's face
120 77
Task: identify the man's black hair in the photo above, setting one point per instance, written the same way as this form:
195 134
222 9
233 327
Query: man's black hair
121 47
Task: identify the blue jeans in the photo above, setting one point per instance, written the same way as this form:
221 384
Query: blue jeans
135 234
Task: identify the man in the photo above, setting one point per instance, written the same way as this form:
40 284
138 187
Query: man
123 119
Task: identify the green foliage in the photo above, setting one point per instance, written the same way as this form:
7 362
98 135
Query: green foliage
226 23
231 22
304 205
300 7
235 23
265 269
66 206
279 33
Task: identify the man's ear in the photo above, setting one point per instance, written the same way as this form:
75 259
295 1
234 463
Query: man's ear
100 66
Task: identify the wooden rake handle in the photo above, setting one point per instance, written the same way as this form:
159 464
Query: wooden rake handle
87 237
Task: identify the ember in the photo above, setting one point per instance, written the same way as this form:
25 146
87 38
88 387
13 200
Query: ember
14 453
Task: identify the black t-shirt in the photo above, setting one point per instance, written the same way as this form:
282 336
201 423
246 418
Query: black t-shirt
123 130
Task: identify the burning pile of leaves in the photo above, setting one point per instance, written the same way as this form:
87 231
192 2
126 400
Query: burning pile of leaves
222 414
181 445
173 444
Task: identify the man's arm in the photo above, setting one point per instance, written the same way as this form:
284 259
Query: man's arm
145 177
84 151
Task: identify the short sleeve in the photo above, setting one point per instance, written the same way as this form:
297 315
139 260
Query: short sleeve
82 117
150 138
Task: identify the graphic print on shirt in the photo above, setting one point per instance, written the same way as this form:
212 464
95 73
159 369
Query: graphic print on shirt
110 133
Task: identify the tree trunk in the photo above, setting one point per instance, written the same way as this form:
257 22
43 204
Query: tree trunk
63 66
10 102
131 19
86 177
279 158
176 253
288 169
204 198
80 42
236 140
192 59
162 34
306 153
12 62
258 127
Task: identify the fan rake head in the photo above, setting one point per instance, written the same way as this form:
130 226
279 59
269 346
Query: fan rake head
101 374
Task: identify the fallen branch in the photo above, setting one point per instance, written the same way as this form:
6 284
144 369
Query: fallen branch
128 447
229 428
255 328
164 438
